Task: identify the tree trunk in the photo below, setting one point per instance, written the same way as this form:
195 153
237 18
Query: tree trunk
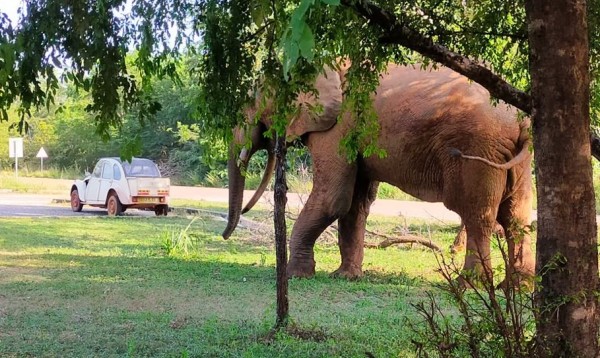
567 256
281 232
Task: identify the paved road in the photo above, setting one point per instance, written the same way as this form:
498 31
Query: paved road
28 205
13 204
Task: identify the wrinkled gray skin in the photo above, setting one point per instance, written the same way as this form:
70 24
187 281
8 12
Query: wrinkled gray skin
445 142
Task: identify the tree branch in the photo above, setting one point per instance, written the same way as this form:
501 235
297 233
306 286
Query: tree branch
397 33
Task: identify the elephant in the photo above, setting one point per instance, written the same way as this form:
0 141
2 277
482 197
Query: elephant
445 142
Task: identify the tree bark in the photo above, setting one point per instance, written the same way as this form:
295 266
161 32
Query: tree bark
280 199
567 256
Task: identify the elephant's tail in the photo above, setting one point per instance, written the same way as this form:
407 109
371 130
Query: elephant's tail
519 158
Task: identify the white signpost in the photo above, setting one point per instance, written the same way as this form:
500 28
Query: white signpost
15 150
42 154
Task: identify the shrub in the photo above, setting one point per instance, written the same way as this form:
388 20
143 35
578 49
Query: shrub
482 321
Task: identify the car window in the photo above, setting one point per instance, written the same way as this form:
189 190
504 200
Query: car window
97 170
107 172
117 172
141 168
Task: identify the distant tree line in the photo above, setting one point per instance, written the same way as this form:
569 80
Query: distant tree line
172 137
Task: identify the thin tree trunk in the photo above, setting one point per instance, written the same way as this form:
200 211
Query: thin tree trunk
280 198
567 256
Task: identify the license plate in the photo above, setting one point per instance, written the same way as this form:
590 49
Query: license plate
147 200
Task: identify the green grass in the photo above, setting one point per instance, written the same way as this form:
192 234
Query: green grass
10 183
82 287
51 172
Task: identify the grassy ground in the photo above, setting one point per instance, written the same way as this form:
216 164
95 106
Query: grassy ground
82 287
31 186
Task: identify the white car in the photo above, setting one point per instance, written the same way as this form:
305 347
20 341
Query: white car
117 186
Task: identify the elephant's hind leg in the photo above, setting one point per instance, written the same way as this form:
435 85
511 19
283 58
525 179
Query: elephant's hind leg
478 264
515 216
352 229
460 240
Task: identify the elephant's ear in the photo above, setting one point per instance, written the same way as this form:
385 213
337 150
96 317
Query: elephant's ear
311 118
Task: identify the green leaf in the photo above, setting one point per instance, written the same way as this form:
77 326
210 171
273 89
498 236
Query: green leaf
307 43
292 52
258 14
131 148
331 2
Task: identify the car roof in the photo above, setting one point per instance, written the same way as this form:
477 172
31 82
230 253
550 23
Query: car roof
117 159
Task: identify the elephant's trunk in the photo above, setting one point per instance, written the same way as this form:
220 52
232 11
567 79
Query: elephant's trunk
235 169
267 175
236 188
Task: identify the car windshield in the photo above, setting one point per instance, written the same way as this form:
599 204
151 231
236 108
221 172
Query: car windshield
141 168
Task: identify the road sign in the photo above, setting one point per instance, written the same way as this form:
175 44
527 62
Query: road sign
42 154
15 150
15 147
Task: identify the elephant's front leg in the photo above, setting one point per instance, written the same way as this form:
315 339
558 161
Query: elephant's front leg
352 229
330 199
311 222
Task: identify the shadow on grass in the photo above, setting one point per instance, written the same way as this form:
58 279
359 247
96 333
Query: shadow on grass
105 287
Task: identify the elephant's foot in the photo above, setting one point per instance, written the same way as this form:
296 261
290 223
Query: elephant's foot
459 242
523 280
456 248
301 268
475 277
349 272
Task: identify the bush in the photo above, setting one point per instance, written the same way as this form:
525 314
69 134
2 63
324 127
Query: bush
482 321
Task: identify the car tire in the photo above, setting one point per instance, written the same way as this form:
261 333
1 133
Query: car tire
76 204
113 205
161 210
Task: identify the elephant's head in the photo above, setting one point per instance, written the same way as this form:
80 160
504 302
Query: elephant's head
328 106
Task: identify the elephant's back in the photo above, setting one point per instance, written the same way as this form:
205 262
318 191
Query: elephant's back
425 113
436 94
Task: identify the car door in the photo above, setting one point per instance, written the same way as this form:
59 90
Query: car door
106 181
93 185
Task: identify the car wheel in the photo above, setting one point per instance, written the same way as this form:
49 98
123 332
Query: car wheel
113 205
76 204
161 210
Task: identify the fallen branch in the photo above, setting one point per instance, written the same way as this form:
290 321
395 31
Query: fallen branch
392 240
389 240
404 239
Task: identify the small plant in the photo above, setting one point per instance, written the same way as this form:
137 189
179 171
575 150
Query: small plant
131 348
176 240
482 321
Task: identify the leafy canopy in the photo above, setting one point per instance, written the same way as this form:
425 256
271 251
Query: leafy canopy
275 47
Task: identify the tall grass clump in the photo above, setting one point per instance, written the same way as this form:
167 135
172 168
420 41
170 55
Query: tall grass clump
177 241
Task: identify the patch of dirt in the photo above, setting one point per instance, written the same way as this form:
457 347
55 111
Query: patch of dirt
21 274
315 334
179 322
